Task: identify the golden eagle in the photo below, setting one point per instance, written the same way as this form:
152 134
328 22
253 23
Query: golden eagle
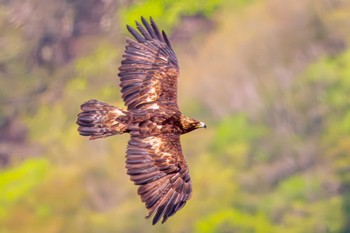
148 77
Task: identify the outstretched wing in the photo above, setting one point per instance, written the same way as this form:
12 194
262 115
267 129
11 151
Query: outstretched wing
149 70
157 164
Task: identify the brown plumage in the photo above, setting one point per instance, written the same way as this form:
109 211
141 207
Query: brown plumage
148 77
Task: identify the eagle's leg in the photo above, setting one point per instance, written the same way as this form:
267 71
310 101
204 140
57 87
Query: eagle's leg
99 120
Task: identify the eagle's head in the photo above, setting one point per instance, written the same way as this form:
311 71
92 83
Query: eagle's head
190 124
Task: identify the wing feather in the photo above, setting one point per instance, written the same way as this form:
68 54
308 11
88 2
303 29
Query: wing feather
148 27
166 40
156 30
143 31
157 164
149 70
137 36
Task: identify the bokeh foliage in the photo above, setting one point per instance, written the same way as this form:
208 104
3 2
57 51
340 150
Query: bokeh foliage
167 12
270 78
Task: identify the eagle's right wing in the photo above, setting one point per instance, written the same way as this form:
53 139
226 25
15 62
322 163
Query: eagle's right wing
157 164
149 71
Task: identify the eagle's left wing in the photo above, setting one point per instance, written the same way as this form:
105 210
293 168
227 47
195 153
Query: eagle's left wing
157 164
149 70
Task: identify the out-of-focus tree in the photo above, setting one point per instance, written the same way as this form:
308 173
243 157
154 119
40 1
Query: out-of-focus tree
270 78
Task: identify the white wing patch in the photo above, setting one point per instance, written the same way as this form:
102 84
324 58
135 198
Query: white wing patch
155 142
153 106
118 112
152 95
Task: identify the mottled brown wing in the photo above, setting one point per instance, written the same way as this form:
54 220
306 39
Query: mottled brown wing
157 164
149 70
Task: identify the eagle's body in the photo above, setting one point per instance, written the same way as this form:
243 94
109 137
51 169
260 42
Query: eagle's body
148 78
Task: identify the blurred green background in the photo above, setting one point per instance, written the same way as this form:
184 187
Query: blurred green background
270 78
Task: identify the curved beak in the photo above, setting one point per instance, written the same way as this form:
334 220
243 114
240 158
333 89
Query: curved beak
202 125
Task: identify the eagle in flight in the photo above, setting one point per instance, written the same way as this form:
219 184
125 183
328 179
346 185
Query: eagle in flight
148 77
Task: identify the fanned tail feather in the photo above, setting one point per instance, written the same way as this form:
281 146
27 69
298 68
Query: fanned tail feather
99 120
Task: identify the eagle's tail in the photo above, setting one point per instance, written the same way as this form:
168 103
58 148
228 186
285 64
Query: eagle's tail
99 120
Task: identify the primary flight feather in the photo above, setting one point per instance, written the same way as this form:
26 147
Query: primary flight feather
148 77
